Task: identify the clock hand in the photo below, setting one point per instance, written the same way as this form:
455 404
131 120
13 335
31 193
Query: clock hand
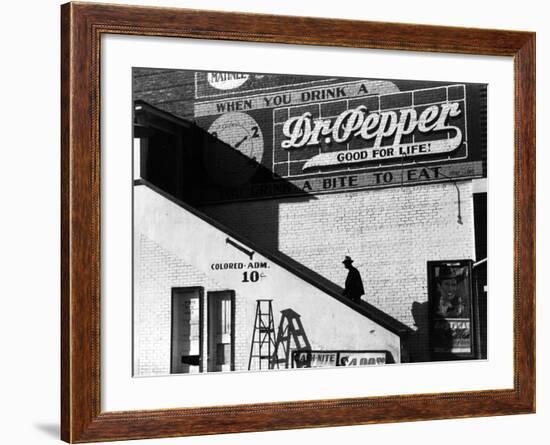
238 144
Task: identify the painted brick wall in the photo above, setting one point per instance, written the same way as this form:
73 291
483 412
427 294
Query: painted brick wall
390 233
174 90
157 272
160 265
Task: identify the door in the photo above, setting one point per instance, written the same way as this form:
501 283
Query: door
186 330
221 325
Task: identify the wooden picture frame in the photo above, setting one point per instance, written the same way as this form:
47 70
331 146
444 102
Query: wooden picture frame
82 26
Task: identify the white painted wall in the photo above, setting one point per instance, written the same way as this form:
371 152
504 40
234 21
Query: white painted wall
329 324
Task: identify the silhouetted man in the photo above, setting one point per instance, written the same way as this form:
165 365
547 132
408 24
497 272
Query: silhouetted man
354 283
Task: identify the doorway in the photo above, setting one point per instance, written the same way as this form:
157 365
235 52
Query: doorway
221 326
187 326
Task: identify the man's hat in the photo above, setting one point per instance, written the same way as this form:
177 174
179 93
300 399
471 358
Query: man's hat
347 260
450 273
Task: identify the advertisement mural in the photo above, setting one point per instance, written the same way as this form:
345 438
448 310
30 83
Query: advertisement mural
306 137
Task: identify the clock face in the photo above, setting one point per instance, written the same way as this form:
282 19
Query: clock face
235 160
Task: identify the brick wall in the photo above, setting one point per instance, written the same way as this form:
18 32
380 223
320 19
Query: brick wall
390 233
157 271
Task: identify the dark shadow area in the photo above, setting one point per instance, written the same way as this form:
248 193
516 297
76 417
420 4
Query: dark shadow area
423 340
418 339
479 268
290 336
203 171
442 341
433 340
49 429
194 166
480 288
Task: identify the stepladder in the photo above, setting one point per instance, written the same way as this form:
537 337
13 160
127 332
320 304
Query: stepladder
263 346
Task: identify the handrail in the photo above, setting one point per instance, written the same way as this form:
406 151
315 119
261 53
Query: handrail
480 262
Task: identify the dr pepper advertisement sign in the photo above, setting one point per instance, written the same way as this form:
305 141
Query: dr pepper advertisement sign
323 135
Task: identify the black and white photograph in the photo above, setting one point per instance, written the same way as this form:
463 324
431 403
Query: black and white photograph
285 221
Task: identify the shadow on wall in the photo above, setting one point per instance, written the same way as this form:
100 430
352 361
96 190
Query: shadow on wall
291 336
225 178
242 193
418 340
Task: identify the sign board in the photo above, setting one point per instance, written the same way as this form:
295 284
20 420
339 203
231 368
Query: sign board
451 310
210 84
321 359
301 135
